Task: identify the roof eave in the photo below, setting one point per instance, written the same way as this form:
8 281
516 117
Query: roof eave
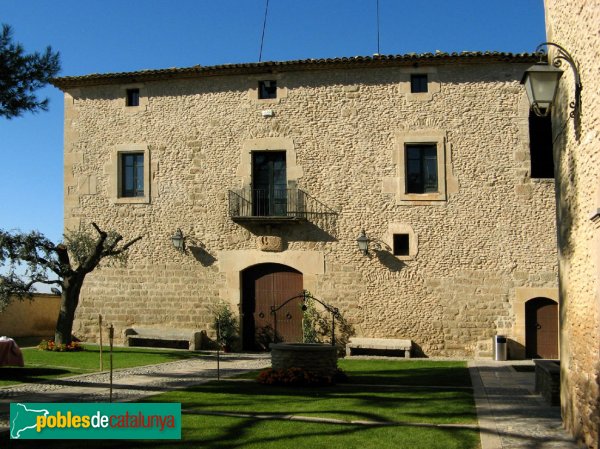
357 62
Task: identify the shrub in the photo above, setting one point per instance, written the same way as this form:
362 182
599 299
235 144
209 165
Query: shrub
316 326
225 325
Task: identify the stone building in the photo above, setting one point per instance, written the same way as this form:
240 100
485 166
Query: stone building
272 170
576 27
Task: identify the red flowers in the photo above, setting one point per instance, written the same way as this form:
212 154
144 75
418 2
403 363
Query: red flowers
49 345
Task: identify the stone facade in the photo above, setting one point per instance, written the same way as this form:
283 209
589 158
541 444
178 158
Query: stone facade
575 26
487 232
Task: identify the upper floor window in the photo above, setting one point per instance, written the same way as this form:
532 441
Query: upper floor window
132 97
418 83
540 146
132 175
267 89
421 168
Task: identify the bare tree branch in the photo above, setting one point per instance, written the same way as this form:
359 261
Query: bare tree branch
49 282
124 247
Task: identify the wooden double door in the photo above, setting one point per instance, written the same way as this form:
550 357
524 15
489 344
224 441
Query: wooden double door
266 286
541 328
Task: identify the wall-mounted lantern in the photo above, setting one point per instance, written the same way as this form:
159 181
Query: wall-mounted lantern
541 82
178 240
363 242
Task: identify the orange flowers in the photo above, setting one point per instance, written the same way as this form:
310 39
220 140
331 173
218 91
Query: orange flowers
49 345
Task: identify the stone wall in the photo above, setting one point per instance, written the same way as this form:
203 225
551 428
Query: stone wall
490 232
320 359
30 318
575 26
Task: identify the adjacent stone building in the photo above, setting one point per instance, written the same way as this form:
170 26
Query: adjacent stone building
576 26
272 170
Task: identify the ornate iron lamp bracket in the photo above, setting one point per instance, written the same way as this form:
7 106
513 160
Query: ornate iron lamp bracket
564 55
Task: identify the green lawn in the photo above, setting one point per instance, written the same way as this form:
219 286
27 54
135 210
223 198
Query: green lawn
44 365
411 406
399 372
406 372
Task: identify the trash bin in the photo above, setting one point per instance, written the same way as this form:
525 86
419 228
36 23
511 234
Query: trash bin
499 348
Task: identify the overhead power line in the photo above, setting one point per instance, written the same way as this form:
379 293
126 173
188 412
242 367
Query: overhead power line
262 39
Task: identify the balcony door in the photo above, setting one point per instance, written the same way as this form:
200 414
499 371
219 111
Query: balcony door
269 184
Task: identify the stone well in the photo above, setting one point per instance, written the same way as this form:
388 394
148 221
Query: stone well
314 357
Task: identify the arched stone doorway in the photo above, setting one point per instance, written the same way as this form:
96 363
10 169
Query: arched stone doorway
541 328
263 286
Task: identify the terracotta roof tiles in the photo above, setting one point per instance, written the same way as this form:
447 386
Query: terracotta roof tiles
304 64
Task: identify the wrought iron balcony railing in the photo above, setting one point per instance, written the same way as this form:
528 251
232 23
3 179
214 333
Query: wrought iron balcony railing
272 205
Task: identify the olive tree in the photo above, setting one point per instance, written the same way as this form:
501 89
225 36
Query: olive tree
30 259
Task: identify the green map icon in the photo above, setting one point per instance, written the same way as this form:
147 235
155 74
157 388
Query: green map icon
24 419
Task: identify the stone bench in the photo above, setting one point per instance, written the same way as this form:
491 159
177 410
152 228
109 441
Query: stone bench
379 345
192 337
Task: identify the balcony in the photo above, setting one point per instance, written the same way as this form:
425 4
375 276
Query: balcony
277 206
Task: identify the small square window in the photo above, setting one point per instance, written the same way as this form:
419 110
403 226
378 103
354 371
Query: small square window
421 168
132 175
133 97
418 83
401 245
267 89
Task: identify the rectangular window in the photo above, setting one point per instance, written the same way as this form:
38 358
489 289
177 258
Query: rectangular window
418 83
267 89
133 97
540 146
132 175
421 168
401 245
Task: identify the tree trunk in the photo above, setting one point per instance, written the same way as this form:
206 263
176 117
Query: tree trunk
68 305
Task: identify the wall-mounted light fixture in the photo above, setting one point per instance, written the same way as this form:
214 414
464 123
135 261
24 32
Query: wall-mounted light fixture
178 240
541 81
363 242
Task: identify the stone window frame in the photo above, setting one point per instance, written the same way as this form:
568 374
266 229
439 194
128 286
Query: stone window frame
413 240
293 171
115 174
253 81
143 98
433 137
434 85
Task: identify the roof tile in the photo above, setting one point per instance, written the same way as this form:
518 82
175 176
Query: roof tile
304 64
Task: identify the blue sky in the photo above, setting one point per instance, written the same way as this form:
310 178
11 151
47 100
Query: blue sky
96 36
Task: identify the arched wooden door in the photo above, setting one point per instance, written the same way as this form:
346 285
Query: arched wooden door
267 285
541 328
